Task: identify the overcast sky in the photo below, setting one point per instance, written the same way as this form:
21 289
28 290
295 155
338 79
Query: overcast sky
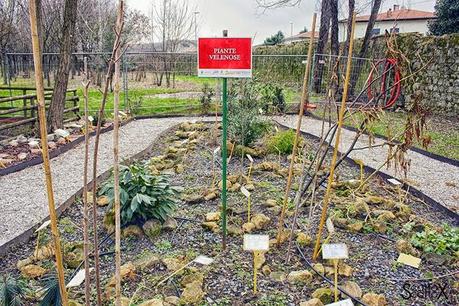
244 19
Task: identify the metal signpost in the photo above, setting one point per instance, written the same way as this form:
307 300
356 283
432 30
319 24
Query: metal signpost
224 58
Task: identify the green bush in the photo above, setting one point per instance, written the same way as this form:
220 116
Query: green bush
245 123
272 97
12 291
143 196
444 241
206 98
281 142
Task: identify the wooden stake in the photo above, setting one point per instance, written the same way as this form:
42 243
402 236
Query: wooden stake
87 280
335 265
304 98
337 141
116 170
37 58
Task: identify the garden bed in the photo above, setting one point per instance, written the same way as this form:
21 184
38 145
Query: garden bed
186 158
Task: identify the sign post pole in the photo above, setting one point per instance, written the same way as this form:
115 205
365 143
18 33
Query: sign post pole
224 157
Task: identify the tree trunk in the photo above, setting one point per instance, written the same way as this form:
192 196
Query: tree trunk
366 42
325 16
349 26
56 108
334 49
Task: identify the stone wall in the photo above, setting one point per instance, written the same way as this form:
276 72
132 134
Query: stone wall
438 83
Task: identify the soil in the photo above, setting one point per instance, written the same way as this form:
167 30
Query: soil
228 280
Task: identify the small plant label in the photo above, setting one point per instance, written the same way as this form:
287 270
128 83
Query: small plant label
78 279
335 251
256 243
43 226
245 192
409 260
249 157
347 302
203 260
216 150
394 182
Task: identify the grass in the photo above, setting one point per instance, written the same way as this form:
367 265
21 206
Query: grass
444 135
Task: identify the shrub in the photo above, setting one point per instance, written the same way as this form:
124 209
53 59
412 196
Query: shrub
206 98
12 291
281 142
444 241
143 196
272 97
245 123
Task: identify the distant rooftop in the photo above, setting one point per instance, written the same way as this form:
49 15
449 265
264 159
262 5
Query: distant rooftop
302 36
397 14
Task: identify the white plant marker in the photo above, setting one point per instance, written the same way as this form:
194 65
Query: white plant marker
250 167
335 252
39 230
201 259
255 244
43 226
394 182
409 260
78 279
246 193
347 302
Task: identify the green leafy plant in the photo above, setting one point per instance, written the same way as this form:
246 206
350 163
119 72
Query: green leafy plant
443 242
52 294
206 97
143 196
272 97
245 123
281 142
12 291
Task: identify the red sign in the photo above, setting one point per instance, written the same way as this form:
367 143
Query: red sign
225 57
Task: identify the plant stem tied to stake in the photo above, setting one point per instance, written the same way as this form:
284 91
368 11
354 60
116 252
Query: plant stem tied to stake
337 141
304 98
44 136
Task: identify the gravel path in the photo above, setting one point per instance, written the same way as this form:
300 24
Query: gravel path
438 180
23 198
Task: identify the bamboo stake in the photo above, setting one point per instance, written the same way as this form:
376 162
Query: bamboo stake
87 281
44 143
108 79
337 141
304 98
116 101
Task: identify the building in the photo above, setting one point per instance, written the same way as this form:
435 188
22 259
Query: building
396 19
299 37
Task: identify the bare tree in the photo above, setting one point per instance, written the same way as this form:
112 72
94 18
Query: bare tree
57 105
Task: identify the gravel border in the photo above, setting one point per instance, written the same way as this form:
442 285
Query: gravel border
436 179
24 202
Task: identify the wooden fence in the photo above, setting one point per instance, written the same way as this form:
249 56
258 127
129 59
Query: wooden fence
20 110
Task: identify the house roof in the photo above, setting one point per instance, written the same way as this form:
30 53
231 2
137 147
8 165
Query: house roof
301 36
397 15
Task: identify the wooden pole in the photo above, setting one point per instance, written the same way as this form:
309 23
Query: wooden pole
87 280
304 98
44 143
337 141
116 101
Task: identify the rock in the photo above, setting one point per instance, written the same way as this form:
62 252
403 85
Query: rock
352 288
14 143
325 295
344 269
4 162
32 271
213 216
152 228
127 271
228 184
386 216
146 261
35 151
319 268
170 224
312 302
211 225
171 300
125 301
250 187
194 277
21 139
302 276
380 227
193 198
74 303
153 302
266 270
103 201
61 141
50 137
404 246
22 156
74 258
234 230
270 203
373 299
132 231
374 199
234 187
52 145
173 264
248 227
361 207
179 169
260 220
303 239
210 196
355 227
192 294
61 133
23 262
278 276
34 144
340 222
276 210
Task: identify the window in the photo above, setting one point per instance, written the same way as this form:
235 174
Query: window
375 31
